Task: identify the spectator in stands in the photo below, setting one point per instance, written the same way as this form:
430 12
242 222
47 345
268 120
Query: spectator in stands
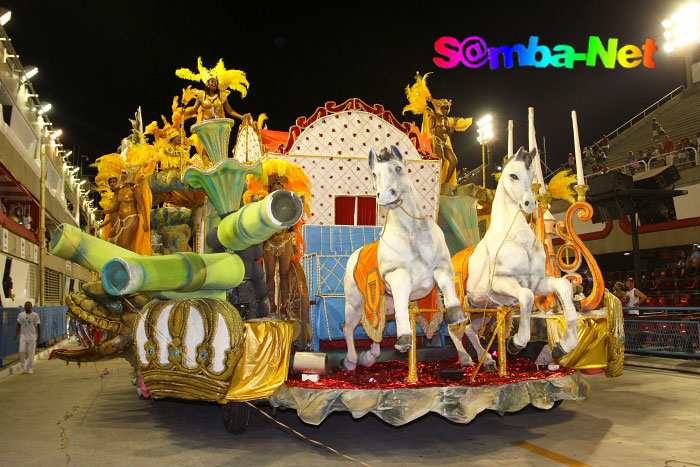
683 261
633 163
656 130
598 153
571 161
697 140
695 256
4 206
634 296
649 154
687 153
668 145
587 156
29 333
619 292
27 219
605 145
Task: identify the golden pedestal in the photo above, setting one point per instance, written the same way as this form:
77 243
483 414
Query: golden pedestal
501 314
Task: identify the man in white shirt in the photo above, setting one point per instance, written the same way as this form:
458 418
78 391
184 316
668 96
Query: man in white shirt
634 297
29 332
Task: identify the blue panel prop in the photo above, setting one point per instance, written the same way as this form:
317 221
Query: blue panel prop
327 252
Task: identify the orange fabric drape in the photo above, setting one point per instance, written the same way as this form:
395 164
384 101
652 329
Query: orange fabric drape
272 139
142 242
460 262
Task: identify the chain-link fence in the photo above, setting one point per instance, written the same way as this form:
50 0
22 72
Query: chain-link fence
678 339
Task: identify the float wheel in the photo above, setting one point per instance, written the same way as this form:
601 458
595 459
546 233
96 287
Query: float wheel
557 403
236 417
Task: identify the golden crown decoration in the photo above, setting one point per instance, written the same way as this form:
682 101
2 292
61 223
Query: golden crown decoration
188 348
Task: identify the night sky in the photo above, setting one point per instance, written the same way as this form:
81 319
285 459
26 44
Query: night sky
99 61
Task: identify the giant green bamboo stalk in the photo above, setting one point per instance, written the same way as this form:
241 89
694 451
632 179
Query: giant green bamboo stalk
73 244
182 272
256 222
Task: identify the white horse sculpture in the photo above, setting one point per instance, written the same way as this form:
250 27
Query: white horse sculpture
412 258
508 265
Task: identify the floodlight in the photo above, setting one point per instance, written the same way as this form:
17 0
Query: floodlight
30 72
5 16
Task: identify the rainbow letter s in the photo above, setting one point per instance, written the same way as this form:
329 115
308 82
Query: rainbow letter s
451 48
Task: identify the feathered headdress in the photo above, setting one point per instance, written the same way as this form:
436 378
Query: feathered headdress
560 186
228 79
418 95
291 176
108 166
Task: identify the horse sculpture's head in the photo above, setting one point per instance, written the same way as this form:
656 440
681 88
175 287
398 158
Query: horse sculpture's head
389 171
517 177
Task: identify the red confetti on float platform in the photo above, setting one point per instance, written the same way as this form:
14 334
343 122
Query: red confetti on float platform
392 374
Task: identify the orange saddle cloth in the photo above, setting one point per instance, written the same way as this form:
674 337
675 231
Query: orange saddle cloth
370 283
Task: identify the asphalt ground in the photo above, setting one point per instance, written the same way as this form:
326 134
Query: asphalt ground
65 415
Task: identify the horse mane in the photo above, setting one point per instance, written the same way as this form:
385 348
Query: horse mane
384 155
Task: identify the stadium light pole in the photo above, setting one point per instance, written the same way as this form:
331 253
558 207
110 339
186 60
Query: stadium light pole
682 33
485 133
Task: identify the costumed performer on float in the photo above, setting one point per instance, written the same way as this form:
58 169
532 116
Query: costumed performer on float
211 102
436 125
127 197
171 140
286 246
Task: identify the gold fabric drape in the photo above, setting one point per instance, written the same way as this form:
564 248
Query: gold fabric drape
591 351
265 361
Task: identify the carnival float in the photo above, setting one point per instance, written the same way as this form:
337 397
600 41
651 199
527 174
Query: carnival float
255 273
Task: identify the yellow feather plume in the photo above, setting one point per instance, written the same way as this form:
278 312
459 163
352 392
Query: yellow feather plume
560 186
418 95
108 166
261 121
228 79
274 166
255 188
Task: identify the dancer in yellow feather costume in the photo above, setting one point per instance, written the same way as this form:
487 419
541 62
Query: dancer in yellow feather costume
437 125
286 246
127 197
212 102
170 140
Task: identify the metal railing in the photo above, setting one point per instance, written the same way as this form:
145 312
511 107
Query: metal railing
664 332
663 338
641 115
662 160
53 327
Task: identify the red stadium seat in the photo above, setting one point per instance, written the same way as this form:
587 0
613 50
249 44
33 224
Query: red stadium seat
662 301
691 284
652 301
682 301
